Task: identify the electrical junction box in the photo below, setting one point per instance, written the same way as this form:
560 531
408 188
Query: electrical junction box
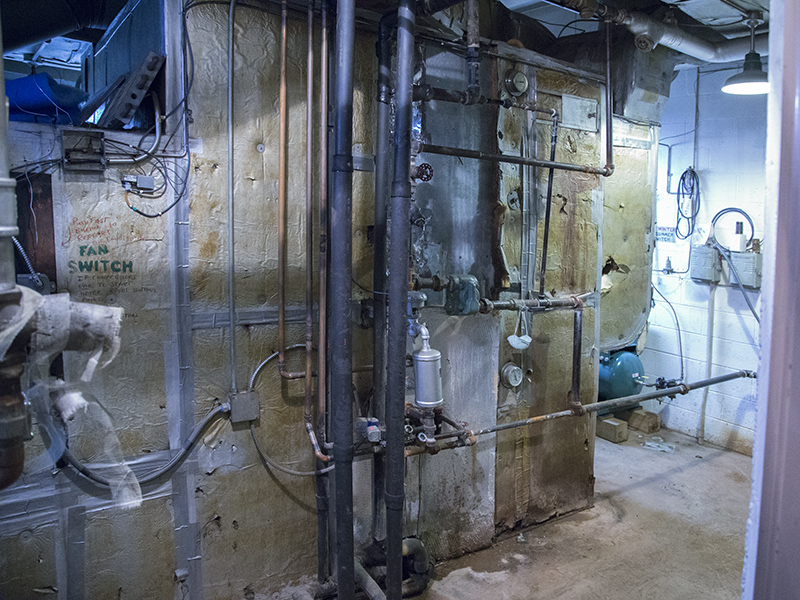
748 266
705 262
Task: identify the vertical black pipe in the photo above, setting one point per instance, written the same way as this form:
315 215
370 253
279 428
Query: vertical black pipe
577 344
383 169
399 243
340 298
548 203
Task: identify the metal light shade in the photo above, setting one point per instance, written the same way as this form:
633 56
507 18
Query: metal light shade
751 81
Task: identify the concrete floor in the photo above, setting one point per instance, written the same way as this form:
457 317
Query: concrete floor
668 523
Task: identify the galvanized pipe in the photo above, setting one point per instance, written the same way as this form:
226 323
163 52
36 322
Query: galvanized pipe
517 160
341 352
400 241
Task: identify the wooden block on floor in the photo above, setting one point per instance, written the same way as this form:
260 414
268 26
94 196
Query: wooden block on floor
613 430
645 421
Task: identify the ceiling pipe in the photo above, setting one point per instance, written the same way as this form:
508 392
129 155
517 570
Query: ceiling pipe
651 33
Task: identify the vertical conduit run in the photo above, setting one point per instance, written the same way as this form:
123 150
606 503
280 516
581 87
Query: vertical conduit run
308 406
282 124
341 290
383 170
398 293
231 254
321 482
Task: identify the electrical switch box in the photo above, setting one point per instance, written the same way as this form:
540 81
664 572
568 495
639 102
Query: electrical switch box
748 266
705 262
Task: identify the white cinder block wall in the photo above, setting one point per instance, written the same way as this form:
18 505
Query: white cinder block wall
731 141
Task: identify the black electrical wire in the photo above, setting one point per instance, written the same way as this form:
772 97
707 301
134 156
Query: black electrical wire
688 202
677 327
571 23
185 450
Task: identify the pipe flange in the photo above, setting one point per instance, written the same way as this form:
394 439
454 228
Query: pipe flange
645 43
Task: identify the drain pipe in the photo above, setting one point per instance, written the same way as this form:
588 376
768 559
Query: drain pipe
341 269
400 240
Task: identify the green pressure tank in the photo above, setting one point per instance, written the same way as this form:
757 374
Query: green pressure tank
620 375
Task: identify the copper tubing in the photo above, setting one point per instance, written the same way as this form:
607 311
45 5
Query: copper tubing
322 355
309 221
315 444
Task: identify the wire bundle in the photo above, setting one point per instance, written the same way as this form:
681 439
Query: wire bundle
688 200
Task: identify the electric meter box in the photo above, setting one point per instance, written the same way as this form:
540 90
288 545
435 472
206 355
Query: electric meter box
748 266
705 264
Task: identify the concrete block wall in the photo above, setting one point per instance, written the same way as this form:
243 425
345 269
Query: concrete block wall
730 161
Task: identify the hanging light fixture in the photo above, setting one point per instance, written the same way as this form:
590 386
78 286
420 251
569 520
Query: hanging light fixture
752 80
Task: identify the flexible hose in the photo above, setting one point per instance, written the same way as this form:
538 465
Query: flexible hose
188 446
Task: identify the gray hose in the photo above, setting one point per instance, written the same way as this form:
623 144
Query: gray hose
188 446
271 463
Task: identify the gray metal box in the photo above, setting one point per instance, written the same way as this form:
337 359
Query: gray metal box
748 266
245 406
705 264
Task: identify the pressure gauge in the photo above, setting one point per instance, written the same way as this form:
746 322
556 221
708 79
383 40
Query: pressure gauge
516 82
510 375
